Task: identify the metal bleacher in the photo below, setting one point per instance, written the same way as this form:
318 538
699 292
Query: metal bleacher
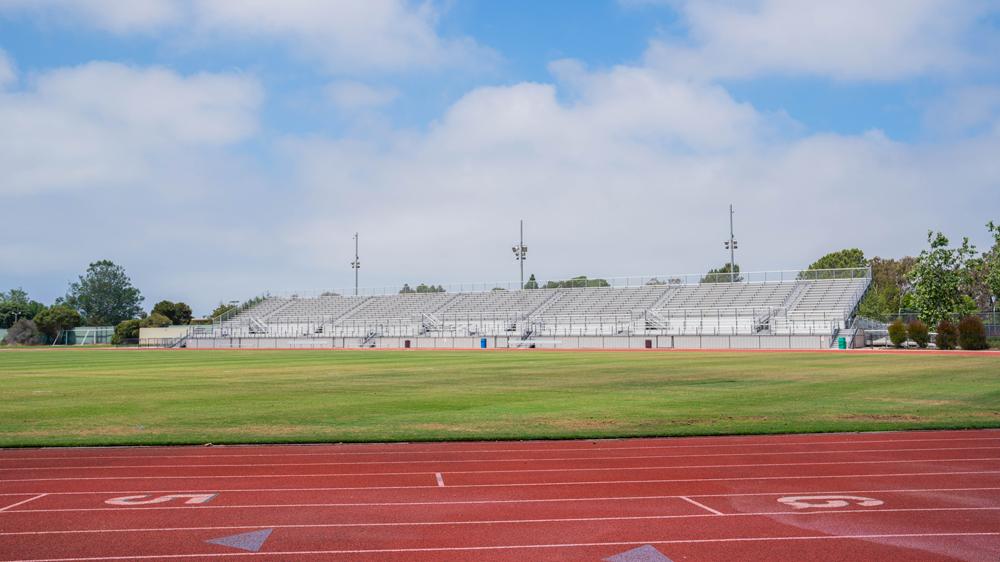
769 303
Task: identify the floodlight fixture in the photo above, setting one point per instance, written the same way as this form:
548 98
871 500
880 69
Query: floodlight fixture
520 253
356 264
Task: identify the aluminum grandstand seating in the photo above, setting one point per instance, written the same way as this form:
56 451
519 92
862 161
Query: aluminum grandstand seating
776 305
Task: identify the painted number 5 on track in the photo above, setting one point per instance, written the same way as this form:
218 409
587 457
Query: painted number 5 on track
146 499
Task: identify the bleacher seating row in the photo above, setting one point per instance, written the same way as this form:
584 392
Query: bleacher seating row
793 307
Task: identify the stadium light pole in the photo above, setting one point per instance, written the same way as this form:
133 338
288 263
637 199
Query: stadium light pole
356 264
731 246
521 253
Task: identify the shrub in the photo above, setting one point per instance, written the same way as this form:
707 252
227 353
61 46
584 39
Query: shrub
155 320
178 312
947 335
22 332
125 330
57 318
972 333
917 331
897 333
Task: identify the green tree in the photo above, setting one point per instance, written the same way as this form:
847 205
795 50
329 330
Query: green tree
851 258
57 318
531 283
182 314
178 312
723 275
889 285
155 320
992 259
421 288
578 281
104 295
126 330
222 309
15 304
975 282
938 278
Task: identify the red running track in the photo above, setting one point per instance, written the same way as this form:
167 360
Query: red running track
877 496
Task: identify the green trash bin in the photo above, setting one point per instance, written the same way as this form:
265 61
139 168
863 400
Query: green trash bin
841 343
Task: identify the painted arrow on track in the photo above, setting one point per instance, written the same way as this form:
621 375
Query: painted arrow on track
250 542
645 553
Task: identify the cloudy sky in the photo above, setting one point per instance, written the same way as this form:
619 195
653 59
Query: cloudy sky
220 148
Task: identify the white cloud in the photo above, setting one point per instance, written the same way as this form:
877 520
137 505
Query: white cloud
343 36
963 110
349 95
846 40
116 16
103 124
632 175
356 35
8 72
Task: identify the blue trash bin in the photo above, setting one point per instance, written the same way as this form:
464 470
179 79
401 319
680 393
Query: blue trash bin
482 343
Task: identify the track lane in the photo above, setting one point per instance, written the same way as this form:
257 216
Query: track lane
509 534
595 505
112 519
178 468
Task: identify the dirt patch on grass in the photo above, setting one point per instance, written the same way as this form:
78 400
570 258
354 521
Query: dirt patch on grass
448 428
918 402
591 424
880 417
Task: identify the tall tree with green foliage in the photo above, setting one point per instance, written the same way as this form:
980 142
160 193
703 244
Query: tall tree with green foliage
851 258
723 275
57 318
889 285
104 295
15 304
531 283
178 312
992 259
938 278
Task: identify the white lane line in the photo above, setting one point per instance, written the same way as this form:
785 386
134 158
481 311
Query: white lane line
518 501
517 471
440 479
487 461
22 502
701 505
401 450
537 484
521 546
498 521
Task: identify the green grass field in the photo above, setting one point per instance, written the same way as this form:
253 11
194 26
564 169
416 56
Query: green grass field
102 397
